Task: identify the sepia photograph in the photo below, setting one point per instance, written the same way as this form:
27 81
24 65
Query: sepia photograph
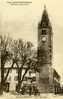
31 49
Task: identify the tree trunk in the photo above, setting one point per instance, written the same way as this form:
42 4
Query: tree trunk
20 81
2 76
19 77
8 72
2 71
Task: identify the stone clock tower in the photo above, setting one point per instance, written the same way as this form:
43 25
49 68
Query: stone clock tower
45 53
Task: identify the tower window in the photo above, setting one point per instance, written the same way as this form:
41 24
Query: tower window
43 32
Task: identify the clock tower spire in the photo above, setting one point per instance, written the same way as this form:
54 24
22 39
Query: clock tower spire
44 50
45 39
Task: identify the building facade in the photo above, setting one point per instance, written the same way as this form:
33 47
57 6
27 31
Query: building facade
56 82
46 74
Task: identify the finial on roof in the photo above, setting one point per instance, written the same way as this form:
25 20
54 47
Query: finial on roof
44 6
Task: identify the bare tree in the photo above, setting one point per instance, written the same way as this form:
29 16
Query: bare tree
21 53
14 56
28 59
5 55
25 52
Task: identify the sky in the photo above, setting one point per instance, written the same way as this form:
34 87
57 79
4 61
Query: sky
21 21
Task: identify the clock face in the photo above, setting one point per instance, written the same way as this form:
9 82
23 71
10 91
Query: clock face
44 39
